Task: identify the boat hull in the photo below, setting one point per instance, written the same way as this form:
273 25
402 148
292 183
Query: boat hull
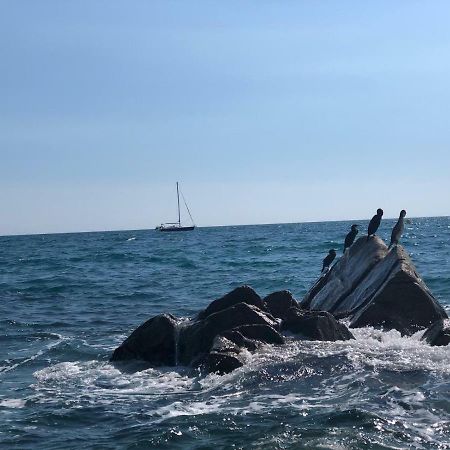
167 229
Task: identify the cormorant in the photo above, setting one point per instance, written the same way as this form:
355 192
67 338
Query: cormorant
397 231
350 238
374 223
329 259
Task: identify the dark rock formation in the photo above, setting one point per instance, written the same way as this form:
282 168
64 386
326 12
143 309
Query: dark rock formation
438 333
153 341
242 294
240 340
197 338
222 363
261 333
376 287
369 284
315 325
224 345
402 301
279 302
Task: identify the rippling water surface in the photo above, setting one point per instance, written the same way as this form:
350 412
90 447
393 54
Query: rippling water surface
66 301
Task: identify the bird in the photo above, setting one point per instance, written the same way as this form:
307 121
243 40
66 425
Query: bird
329 259
397 231
350 238
374 223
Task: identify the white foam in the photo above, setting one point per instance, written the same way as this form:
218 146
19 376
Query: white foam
182 394
103 381
12 403
4 369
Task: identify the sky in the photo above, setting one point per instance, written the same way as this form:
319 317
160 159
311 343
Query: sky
264 111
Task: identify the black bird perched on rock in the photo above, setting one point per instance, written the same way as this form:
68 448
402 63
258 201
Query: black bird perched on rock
374 223
350 238
329 259
397 231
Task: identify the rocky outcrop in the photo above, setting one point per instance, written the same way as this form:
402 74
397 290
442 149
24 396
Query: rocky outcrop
315 325
219 338
438 333
332 288
370 285
278 303
375 286
196 338
153 341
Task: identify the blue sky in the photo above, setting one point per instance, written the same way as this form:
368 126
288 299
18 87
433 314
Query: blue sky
266 111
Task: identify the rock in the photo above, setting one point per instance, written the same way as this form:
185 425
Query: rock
402 301
438 333
261 333
242 294
315 325
197 338
346 274
240 340
375 287
279 302
223 345
224 357
153 341
222 363
365 290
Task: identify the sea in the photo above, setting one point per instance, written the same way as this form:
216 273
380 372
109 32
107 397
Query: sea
67 300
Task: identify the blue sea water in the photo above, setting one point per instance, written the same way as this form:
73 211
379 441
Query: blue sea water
66 301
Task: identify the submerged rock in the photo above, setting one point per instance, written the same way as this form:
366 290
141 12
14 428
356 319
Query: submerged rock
279 302
315 325
153 341
376 287
438 333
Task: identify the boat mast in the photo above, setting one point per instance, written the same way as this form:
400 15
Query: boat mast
178 199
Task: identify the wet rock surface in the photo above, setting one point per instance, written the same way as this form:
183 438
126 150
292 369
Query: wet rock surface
278 303
438 333
218 338
374 286
242 294
153 341
315 325
197 337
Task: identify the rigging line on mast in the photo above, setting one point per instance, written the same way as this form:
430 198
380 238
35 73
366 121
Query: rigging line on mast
187 207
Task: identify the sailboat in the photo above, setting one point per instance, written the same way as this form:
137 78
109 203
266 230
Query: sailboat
176 226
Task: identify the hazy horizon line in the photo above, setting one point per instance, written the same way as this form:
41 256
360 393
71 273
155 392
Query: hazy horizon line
211 226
